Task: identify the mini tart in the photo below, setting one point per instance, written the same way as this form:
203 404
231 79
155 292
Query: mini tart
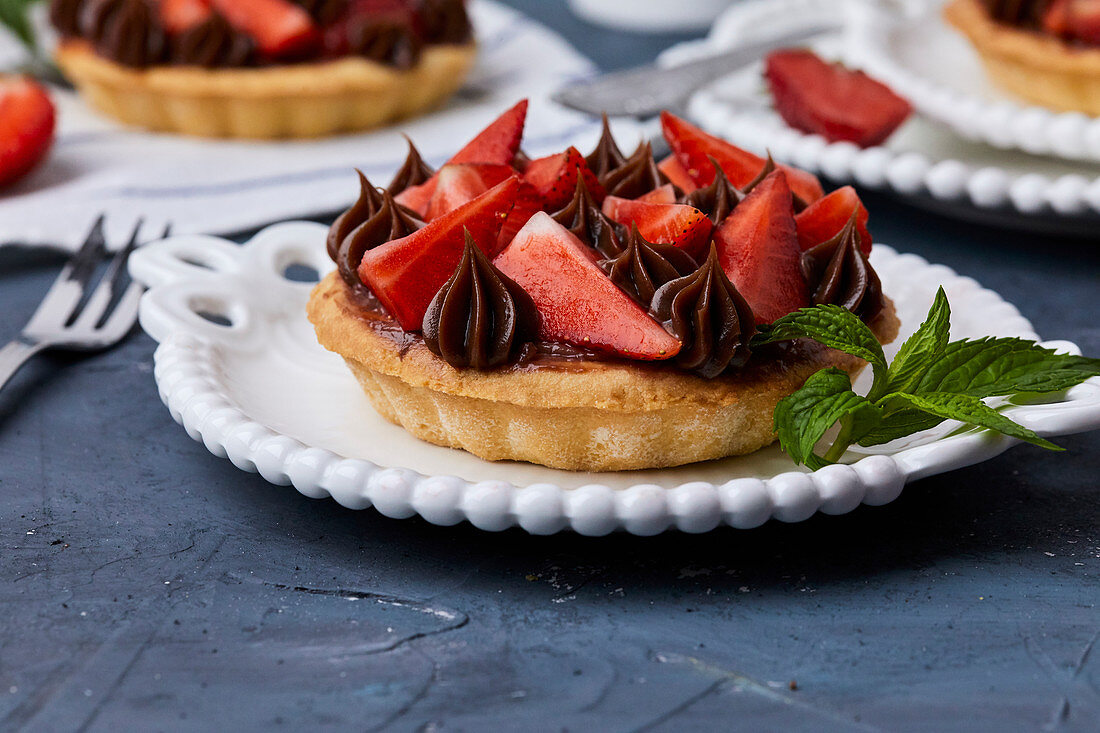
587 415
292 101
1040 68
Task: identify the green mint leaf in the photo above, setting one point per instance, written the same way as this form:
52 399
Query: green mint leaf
14 17
967 409
836 328
802 418
923 348
899 424
1002 366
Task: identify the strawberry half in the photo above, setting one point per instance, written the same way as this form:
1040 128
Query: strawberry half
281 29
678 224
832 101
406 273
677 173
694 148
665 194
1075 19
458 183
496 144
179 15
824 218
758 249
577 302
27 120
555 178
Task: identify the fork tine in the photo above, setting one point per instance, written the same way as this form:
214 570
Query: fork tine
105 291
60 302
122 318
81 266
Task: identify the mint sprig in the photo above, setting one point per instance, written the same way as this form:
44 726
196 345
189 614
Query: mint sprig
15 16
930 380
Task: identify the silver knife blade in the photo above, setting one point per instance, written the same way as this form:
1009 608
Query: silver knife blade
646 90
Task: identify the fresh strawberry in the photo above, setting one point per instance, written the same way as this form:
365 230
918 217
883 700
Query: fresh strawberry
497 144
758 248
555 178
406 273
179 15
1075 19
675 171
829 100
27 121
458 183
694 148
821 220
577 302
683 226
665 194
527 203
280 28
1055 20
341 25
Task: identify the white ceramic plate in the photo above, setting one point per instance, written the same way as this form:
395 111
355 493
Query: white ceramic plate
935 68
924 161
264 394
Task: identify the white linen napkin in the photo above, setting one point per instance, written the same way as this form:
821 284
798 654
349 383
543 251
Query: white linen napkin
221 187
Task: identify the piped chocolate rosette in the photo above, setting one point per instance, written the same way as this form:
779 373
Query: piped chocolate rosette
497 267
292 68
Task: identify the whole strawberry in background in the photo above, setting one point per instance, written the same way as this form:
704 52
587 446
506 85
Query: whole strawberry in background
27 121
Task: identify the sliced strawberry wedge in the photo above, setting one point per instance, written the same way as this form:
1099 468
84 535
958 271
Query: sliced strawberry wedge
678 224
829 100
675 171
555 178
458 183
665 194
824 218
577 302
496 144
406 273
758 249
1075 19
694 148
179 15
281 29
27 120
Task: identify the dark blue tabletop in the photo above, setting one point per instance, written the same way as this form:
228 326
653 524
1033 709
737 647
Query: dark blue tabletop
146 584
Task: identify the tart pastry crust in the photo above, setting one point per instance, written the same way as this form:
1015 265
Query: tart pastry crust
293 101
583 415
1039 68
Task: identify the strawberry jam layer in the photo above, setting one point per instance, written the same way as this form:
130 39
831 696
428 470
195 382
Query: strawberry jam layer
244 33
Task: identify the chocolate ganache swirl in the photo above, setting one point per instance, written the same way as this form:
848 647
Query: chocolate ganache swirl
637 176
445 21
1028 13
583 217
386 40
718 199
708 315
412 172
480 317
839 273
644 266
213 42
606 156
325 12
374 219
65 17
126 31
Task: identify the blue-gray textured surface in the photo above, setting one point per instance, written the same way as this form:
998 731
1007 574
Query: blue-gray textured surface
147 584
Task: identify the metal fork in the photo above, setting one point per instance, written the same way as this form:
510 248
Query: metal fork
66 320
